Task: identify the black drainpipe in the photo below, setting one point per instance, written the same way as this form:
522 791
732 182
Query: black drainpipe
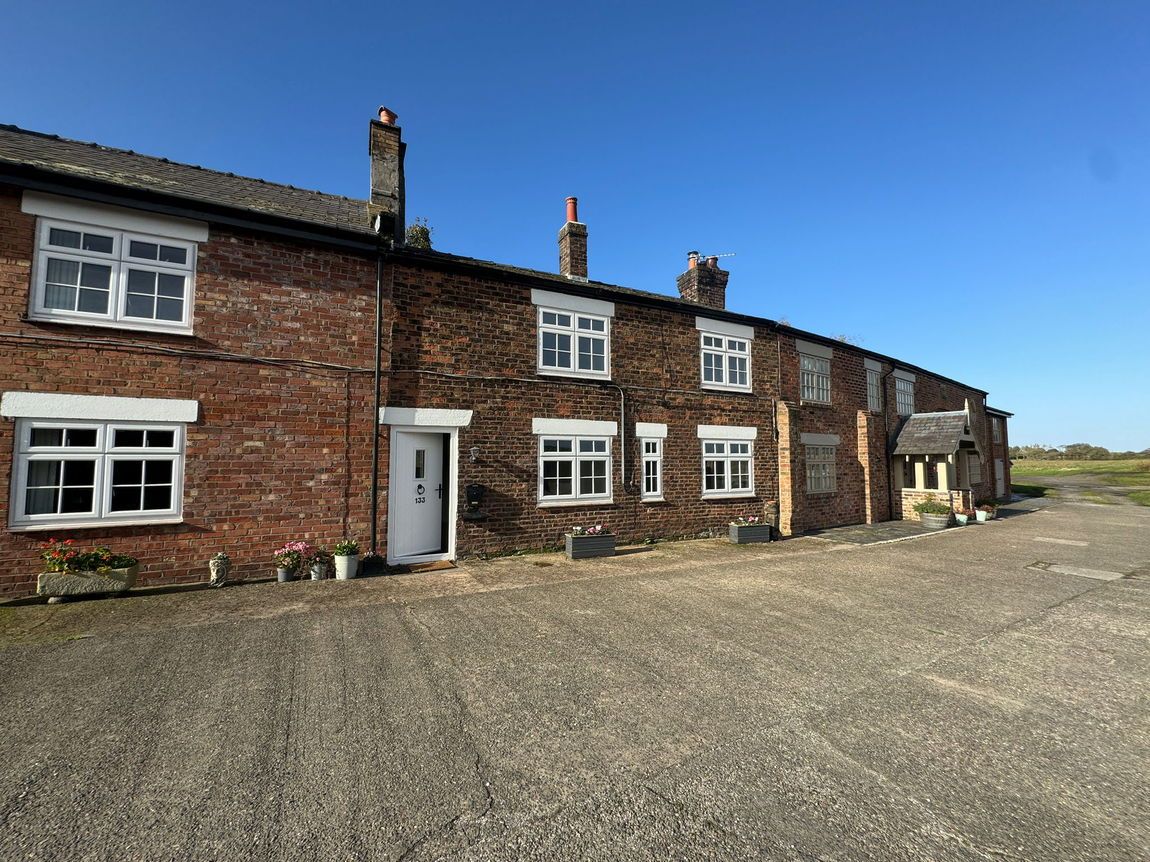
375 410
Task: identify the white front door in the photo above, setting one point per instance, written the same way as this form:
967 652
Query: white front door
999 478
418 495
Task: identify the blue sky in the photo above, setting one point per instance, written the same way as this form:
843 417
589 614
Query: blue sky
964 186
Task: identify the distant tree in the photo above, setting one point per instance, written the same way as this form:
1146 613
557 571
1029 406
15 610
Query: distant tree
1085 452
419 234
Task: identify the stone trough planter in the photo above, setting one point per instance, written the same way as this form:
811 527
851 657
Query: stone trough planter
585 547
92 583
934 522
743 534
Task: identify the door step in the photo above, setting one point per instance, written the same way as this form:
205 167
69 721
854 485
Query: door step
421 568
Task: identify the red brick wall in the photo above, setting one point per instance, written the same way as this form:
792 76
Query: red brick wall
281 450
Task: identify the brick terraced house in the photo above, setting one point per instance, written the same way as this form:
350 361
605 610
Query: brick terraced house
196 361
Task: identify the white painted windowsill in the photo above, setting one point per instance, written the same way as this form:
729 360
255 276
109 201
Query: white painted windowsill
89 525
567 504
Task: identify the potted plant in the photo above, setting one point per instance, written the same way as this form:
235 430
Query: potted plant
963 516
220 565
985 512
319 563
372 563
346 559
288 560
749 528
586 542
72 572
933 514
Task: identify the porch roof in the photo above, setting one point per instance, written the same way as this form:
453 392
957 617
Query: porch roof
933 433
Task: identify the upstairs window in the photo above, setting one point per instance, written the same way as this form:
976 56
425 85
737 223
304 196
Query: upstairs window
96 275
904 395
726 361
996 425
815 379
574 334
874 390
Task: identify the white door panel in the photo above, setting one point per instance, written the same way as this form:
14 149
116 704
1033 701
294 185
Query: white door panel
418 494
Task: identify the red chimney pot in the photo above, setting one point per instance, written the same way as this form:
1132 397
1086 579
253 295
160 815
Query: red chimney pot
572 209
387 116
712 262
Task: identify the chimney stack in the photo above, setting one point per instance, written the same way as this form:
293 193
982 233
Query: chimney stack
573 244
706 284
387 188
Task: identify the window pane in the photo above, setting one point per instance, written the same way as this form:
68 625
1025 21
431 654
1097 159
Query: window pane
145 250
43 473
47 437
158 497
76 499
63 271
171 254
40 501
420 463
96 275
162 439
93 301
79 473
127 472
140 306
126 499
58 296
98 242
132 438
171 285
81 437
158 472
64 238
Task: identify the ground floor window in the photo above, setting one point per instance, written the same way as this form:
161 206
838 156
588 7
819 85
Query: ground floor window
575 468
86 473
821 477
728 469
652 469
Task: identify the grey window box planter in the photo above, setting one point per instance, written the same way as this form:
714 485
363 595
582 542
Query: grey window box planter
585 547
934 522
86 583
748 533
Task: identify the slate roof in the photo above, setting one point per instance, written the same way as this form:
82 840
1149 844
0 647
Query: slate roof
931 433
80 160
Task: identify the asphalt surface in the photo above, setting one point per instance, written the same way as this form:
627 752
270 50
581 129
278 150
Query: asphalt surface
938 698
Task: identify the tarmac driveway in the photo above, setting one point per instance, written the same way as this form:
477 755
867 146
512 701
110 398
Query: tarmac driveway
941 698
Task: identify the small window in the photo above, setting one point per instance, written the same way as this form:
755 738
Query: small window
821 475
904 395
572 343
100 276
908 473
652 469
726 362
996 425
873 390
575 468
728 468
815 378
931 474
973 469
91 473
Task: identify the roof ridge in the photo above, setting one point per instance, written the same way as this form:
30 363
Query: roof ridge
14 128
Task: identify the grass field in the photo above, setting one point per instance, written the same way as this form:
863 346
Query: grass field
1106 477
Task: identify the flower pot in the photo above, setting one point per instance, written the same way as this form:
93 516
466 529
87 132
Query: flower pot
318 571
743 534
982 516
934 522
346 566
585 547
220 569
87 583
960 519
285 575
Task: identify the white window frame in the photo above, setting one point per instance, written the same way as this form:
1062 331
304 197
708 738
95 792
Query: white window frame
651 451
814 378
725 457
576 307
904 395
821 469
996 426
104 454
121 263
874 390
575 458
734 359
